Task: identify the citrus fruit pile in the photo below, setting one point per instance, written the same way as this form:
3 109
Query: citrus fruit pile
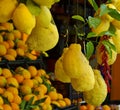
12 43
28 89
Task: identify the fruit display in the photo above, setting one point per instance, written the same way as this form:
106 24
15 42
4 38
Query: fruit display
29 89
12 44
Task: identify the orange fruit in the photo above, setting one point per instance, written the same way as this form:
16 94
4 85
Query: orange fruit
6 45
21 44
7 107
26 74
1 107
41 72
11 43
43 88
19 78
39 90
106 107
9 26
14 106
6 73
17 34
28 82
55 102
2 90
9 36
83 107
60 96
12 52
30 56
8 95
62 103
19 69
9 57
11 81
20 52
13 90
90 107
25 89
1 101
3 50
39 79
32 70
29 96
24 36
67 101
47 100
3 81
17 99
53 95
35 83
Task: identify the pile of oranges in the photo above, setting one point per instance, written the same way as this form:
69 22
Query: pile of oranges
28 89
12 43
92 107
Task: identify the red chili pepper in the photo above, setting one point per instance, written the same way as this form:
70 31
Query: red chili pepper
105 67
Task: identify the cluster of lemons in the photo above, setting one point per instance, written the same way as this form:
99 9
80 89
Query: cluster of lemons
20 85
12 43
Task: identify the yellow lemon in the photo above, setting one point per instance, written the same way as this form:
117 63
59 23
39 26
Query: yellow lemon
23 19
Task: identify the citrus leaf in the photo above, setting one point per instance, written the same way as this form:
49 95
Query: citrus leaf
34 8
93 4
114 13
78 17
93 21
103 9
91 34
89 49
112 28
109 33
109 47
37 102
109 51
23 104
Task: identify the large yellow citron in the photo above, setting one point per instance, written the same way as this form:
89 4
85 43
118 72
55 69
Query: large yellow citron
45 17
105 16
59 71
23 19
43 38
103 26
47 3
100 54
6 9
97 95
85 81
74 61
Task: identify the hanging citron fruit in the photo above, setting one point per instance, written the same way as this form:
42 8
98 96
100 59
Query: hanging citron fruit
23 19
6 9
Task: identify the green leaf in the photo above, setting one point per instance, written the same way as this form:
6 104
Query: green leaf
93 21
30 101
103 9
34 8
109 33
22 105
91 34
112 28
78 17
37 102
93 4
109 47
114 13
89 49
